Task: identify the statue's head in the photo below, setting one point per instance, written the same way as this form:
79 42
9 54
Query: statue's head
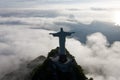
61 29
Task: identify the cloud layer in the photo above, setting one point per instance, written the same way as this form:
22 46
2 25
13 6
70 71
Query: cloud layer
97 57
54 19
32 3
24 35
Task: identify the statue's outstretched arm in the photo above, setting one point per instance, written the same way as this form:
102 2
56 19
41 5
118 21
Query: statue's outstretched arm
54 34
69 33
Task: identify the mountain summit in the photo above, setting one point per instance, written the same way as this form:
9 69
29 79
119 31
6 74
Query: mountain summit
54 68
50 68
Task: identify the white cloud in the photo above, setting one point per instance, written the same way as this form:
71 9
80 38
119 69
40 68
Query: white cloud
97 58
26 37
22 43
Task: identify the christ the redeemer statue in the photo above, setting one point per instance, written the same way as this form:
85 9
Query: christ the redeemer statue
62 35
